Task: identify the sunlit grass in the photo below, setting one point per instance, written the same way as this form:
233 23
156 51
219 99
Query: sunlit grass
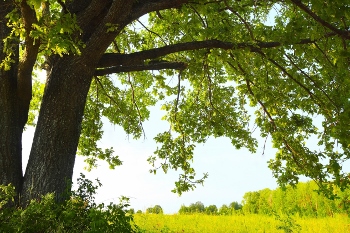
249 223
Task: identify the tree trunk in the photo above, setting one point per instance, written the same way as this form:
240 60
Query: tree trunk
52 157
11 128
10 133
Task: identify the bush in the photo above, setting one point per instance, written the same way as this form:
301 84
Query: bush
79 213
157 209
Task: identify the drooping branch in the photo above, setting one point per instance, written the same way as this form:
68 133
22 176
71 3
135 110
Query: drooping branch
141 67
246 24
315 98
136 105
343 33
295 155
312 81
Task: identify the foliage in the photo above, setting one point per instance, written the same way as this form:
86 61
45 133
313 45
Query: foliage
78 214
6 195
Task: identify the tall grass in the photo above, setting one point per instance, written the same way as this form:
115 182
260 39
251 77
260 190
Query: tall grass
153 223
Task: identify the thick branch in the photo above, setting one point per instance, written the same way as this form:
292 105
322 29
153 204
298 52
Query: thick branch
100 39
111 59
90 14
142 67
26 64
115 59
145 7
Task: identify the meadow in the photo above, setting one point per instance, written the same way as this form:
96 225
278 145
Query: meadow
199 223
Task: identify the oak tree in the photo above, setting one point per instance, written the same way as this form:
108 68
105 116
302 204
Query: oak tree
206 62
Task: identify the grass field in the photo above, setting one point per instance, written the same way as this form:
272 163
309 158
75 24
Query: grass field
153 223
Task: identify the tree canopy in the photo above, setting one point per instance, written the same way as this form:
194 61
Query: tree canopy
214 67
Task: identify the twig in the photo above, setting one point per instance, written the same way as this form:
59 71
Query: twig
137 107
152 32
242 19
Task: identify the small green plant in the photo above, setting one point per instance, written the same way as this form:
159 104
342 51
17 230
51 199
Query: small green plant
79 213
6 194
166 229
287 223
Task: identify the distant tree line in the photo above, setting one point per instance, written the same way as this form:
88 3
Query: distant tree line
303 200
199 207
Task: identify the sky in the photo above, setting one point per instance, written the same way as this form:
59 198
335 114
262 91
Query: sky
231 172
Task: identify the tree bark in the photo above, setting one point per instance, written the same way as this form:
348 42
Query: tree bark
10 132
11 129
55 142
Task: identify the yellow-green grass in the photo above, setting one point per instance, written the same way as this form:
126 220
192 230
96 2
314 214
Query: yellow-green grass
152 223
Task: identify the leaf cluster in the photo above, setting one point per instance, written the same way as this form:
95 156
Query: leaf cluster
55 30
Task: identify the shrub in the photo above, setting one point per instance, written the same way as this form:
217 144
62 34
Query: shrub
79 213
